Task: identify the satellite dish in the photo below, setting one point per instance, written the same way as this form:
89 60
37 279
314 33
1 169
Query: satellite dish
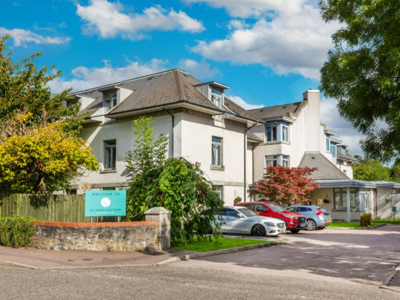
84 186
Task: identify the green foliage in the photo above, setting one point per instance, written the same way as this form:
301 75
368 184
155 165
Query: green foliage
24 87
173 183
363 70
366 220
42 158
16 231
372 170
237 199
40 151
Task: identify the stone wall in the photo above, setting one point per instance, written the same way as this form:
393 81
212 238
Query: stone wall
126 236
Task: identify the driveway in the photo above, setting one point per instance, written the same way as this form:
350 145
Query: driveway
363 256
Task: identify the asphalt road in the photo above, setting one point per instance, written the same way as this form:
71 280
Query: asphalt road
313 265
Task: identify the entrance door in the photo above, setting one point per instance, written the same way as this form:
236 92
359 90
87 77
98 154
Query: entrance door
365 201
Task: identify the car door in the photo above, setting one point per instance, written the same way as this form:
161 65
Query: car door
262 210
234 222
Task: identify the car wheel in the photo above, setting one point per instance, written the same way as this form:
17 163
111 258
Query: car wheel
311 225
258 230
294 230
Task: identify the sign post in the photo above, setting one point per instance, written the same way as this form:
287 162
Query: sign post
105 203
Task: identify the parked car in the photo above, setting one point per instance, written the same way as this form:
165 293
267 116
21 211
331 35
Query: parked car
317 216
240 220
294 221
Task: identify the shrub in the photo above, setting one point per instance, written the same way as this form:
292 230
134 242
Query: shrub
16 231
366 220
237 200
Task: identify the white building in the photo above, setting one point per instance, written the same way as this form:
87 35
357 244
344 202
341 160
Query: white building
202 125
233 146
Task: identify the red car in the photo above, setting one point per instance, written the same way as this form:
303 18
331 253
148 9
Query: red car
294 221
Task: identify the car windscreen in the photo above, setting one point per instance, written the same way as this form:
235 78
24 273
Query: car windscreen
246 212
276 208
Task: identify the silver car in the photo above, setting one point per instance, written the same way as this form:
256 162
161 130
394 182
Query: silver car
317 216
240 220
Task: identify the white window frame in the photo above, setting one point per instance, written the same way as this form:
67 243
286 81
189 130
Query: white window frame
328 144
271 158
214 145
216 97
286 161
272 133
285 133
112 100
110 150
219 189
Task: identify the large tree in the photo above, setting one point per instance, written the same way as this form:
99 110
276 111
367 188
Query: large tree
372 170
173 183
285 185
40 151
363 70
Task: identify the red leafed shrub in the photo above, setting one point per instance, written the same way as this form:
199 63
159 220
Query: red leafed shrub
285 185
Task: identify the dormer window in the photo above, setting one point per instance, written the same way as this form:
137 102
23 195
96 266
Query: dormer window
71 102
110 99
277 132
216 97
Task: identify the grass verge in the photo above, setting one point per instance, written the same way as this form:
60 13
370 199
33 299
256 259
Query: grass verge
387 221
346 225
222 243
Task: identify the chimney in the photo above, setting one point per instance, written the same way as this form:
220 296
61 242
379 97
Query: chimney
313 120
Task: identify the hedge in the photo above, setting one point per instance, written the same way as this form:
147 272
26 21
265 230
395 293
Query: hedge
16 231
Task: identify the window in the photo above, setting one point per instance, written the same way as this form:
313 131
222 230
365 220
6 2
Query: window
216 97
71 102
110 99
285 133
328 144
340 199
333 150
272 133
216 160
219 190
285 161
272 161
110 148
260 208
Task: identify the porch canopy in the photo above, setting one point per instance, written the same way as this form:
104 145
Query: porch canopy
352 183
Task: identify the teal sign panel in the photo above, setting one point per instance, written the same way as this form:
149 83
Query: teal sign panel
394 208
105 203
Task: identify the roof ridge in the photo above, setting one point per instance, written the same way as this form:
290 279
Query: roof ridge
126 80
274 106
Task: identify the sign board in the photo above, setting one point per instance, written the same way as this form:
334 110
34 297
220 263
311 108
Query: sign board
394 209
105 203
320 201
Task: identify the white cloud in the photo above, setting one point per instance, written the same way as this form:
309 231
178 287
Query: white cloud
345 131
22 37
86 78
292 41
197 69
109 20
239 101
247 8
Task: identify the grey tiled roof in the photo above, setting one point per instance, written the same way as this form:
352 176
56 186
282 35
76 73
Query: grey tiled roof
291 109
252 136
326 170
346 156
173 86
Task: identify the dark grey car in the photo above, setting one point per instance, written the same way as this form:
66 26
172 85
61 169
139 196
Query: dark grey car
318 217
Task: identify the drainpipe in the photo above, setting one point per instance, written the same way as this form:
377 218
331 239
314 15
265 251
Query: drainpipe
244 154
173 126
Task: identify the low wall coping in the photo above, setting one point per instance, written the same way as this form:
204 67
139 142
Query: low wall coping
98 224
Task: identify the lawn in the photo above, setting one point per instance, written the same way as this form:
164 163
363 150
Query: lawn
388 221
345 224
223 243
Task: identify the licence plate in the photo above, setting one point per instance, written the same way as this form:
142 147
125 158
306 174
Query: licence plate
329 220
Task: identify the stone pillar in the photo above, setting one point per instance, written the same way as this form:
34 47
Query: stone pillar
163 217
348 205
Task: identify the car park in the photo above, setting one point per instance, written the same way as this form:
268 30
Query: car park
318 217
240 220
294 221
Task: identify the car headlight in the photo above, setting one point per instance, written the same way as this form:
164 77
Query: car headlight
290 217
270 224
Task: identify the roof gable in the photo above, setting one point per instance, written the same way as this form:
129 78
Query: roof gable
326 170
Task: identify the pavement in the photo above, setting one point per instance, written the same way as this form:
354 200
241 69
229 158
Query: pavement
50 259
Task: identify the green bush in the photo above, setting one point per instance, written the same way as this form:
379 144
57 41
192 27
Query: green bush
16 231
366 220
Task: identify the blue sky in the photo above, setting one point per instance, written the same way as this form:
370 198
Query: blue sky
268 51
